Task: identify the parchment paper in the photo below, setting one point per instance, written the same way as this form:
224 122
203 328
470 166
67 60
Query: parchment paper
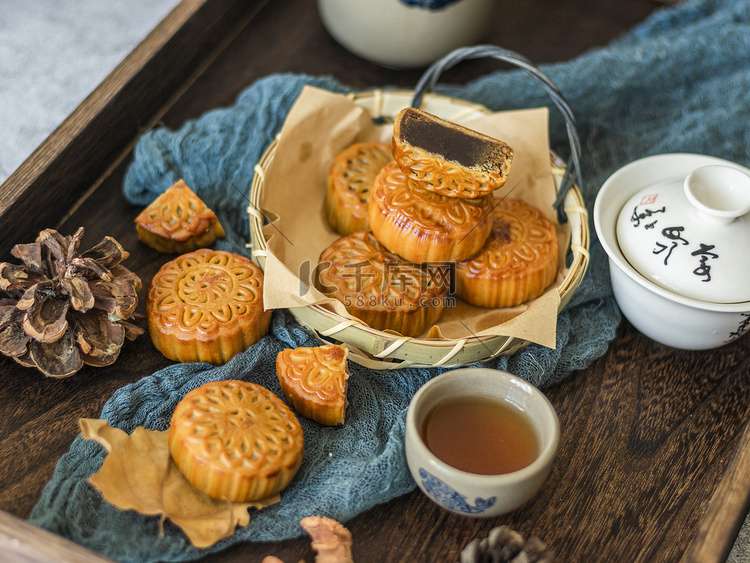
319 125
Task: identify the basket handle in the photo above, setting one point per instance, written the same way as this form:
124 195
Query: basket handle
429 79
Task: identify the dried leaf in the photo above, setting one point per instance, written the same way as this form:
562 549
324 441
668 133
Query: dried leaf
331 541
139 474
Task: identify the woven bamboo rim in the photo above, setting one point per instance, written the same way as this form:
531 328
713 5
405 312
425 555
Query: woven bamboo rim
380 350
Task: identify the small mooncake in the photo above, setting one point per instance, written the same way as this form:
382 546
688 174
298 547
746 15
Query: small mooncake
178 221
235 440
349 183
447 158
518 261
314 381
380 288
423 226
206 306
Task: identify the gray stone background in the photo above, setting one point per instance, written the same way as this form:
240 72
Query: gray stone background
53 53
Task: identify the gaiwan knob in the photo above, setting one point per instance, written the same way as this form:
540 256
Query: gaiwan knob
690 234
720 193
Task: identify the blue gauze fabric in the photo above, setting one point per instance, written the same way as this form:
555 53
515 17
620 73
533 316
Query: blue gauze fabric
680 82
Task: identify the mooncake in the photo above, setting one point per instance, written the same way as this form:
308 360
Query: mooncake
518 261
349 183
206 306
178 221
423 226
448 158
380 288
235 440
314 381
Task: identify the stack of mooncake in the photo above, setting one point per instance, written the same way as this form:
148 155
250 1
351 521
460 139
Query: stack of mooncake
431 207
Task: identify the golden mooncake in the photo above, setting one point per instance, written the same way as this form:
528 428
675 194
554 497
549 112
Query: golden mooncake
423 226
447 158
206 306
380 288
178 221
314 381
518 261
235 440
349 183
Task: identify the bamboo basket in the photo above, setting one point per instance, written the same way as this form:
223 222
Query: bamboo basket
381 350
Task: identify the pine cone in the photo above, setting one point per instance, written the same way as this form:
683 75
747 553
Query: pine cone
67 309
503 545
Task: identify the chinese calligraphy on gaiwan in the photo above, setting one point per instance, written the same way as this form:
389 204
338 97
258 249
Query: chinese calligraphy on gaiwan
675 245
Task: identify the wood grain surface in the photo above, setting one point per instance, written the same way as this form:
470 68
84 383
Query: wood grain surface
646 469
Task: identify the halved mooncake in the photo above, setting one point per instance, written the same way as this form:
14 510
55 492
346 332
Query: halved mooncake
380 288
235 440
314 381
423 226
518 261
206 306
350 182
178 221
447 158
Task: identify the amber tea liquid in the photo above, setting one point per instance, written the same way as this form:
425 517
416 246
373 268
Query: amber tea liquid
480 435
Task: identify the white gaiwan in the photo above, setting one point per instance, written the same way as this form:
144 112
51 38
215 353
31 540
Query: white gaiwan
676 229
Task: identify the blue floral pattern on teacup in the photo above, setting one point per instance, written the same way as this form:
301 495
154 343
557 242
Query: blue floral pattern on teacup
449 497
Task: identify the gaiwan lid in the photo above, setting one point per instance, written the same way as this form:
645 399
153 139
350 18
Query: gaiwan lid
691 235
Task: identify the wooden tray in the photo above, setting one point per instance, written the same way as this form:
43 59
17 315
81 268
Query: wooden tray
653 461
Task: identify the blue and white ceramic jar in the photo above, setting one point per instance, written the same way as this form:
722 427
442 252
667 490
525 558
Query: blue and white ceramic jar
406 33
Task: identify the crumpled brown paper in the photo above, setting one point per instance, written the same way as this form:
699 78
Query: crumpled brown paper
139 474
319 125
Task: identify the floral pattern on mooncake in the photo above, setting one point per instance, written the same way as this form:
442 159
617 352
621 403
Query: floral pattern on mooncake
178 221
422 226
235 440
206 306
314 381
518 261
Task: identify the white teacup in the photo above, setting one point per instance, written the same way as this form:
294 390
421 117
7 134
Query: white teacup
474 494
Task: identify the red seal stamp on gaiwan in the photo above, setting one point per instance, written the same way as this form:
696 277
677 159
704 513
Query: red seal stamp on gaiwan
648 199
